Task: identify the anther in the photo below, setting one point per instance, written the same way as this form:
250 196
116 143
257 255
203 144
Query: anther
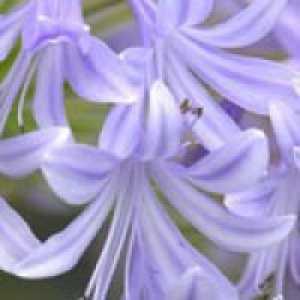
198 112
186 107
23 96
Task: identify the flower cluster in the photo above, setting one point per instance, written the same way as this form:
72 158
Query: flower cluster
169 139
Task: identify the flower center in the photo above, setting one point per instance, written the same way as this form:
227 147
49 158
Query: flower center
46 27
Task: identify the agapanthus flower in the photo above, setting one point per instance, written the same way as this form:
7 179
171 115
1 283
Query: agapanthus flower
139 153
56 47
276 195
140 160
183 47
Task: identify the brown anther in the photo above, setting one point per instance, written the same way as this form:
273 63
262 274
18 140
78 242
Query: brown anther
185 106
198 112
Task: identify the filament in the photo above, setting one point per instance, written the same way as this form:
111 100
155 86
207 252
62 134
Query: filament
21 103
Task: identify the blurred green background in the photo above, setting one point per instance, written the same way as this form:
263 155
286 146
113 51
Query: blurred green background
44 212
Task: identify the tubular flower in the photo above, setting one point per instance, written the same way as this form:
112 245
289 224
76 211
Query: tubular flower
276 195
184 48
140 145
143 166
56 47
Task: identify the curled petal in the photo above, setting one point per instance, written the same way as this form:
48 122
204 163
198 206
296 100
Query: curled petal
21 155
224 169
97 74
248 82
255 201
62 251
77 173
208 216
247 27
16 238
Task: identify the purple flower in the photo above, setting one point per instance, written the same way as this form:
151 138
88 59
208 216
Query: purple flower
277 195
57 46
139 146
183 49
141 155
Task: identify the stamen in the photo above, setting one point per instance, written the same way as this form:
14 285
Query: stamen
186 107
198 112
21 103
92 283
11 86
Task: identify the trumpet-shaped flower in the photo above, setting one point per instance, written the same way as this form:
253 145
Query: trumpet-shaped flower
56 47
276 195
131 164
141 161
184 49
